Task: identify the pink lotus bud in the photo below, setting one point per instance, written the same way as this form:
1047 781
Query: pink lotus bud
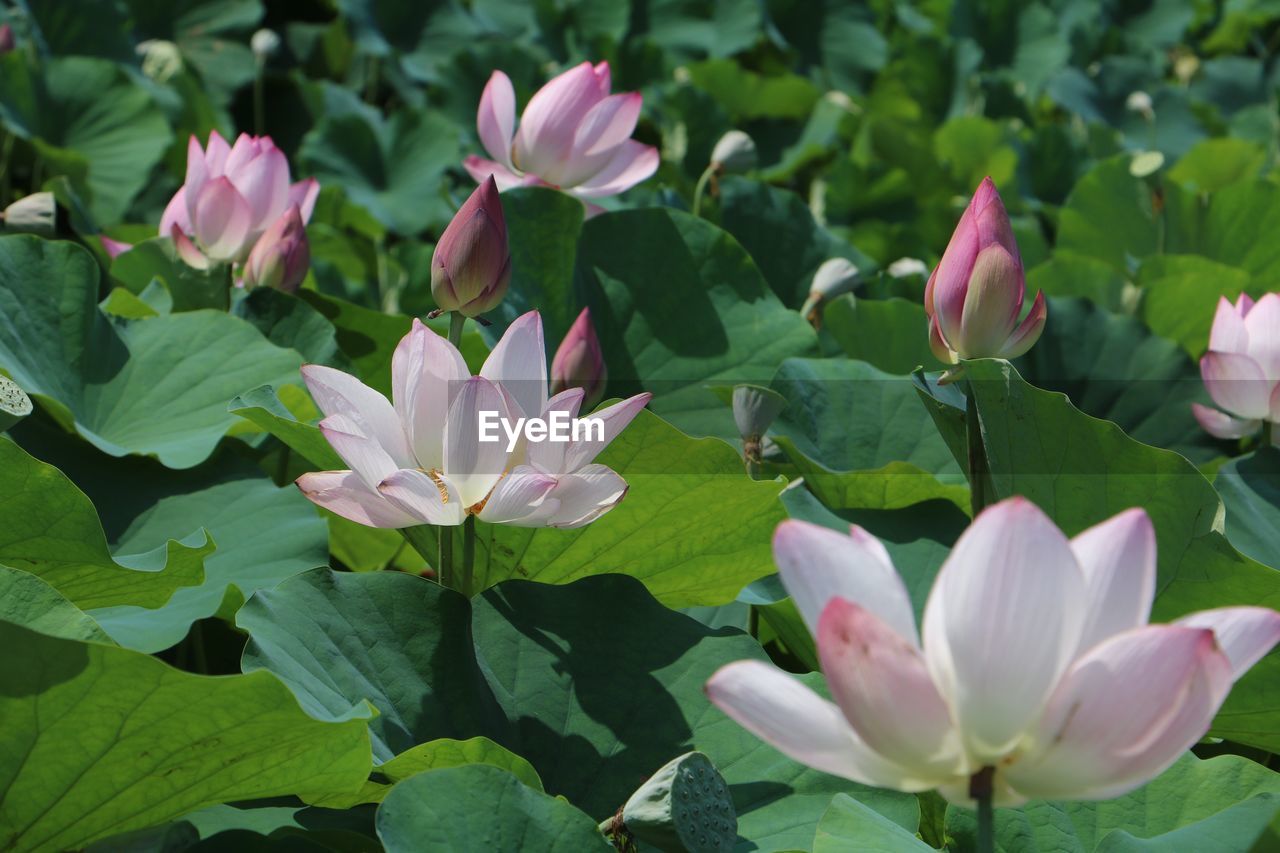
281 256
471 267
6 38
974 297
579 363
114 248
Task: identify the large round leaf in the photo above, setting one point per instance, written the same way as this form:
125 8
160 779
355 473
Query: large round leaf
158 386
678 306
478 807
98 740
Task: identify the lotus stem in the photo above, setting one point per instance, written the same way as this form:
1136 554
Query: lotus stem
468 556
979 466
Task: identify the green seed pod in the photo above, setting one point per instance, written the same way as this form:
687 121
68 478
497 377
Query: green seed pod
14 403
685 806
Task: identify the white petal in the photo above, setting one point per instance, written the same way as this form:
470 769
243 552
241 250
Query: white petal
426 372
1123 713
338 393
817 565
782 712
1236 383
882 684
1228 333
424 499
582 497
1244 634
367 457
631 163
549 456
517 496
347 495
519 364
1221 425
1118 559
475 466
1262 324
1002 623
613 420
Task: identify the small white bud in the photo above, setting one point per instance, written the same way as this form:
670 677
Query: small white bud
264 43
907 267
735 152
1140 102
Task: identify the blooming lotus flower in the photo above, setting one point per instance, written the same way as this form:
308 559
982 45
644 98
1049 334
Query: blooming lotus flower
471 266
1241 370
232 195
1035 659
281 256
573 135
974 296
579 362
419 460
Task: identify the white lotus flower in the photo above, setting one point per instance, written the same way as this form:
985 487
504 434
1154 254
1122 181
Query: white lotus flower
1036 660
420 460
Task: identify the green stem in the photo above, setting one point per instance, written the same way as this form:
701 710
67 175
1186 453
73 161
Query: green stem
444 556
978 468
981 789
468 555
282 466
701 187
456 321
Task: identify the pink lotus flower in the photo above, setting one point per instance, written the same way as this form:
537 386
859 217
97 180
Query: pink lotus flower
231 196
7 42
573 135
113 248
471 266
281 256
579 362
1036 660
1241 370
974 297
419 459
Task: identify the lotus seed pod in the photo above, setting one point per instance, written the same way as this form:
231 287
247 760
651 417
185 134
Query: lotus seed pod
34 214
264 43
836 276
907 267
734 153
14 403
684 806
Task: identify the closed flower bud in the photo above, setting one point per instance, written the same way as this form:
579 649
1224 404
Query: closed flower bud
471 267
281 256
734 153
264 43
836 276
579 362
974 297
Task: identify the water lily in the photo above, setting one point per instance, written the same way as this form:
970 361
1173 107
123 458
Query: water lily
579 362
232 194
1241 370
418 458
974 297
573 135
471 266
1035 659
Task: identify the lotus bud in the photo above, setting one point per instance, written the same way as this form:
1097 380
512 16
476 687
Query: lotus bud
974 297
113 248
33 214
1140 102
7 42
579 362
14 403
836 276
471 267
264 43
735 153
907 267
684 806
281 256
